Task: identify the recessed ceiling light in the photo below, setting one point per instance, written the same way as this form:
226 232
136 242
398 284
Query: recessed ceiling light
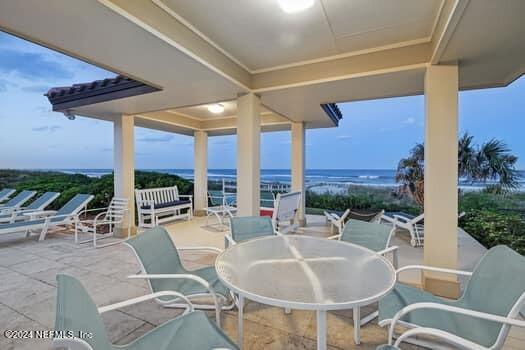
292 6
216 108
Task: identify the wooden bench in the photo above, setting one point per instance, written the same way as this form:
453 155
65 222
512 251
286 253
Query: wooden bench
158 205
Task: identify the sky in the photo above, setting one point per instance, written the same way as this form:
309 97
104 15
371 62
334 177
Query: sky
372 135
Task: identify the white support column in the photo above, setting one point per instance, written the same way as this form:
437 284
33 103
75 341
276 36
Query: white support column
124 166
200 189
441 177
298 166
248 154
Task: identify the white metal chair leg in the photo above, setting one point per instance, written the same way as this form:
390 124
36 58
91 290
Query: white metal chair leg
357 325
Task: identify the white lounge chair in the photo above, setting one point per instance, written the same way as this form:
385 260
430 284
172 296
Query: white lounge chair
22 214
339 221
16 202
6 193
110 216
45 220
413 224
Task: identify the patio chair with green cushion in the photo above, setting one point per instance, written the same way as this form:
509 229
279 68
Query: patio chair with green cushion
37 205
16 202
76 311
6 193
373 236
480 318
248 227
162 267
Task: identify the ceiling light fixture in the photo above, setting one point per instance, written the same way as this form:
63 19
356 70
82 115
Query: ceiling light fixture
216 108
292 6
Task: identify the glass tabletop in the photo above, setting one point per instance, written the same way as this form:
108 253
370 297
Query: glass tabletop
305 272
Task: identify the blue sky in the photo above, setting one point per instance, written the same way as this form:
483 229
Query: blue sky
372 134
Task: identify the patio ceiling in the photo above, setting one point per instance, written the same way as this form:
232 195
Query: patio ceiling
336 51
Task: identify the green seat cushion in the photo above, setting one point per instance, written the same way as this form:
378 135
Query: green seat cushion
192 331
189 287
369 235
158 255
249 227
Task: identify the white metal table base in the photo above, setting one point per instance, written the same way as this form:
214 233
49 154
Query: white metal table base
240 328
321 330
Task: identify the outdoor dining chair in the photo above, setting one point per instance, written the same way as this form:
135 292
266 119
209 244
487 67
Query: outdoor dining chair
248 227
76 311
373 236
162 267
480 319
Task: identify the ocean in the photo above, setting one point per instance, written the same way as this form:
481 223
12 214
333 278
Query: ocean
333 177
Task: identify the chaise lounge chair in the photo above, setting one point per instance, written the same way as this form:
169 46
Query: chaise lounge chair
375 237
6 193
66 215
162 267
479 319
16 202
37 205
76 312
338 220
248 227
413 224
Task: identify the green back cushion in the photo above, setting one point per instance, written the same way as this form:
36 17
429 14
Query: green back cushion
157 254
248 227
369 235
495 286
75 311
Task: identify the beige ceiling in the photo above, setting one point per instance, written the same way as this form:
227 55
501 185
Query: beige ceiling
271 37
201 112
205 51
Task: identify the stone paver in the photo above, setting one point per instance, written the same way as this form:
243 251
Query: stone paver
27 295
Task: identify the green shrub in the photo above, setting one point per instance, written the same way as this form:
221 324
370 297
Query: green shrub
71 184
492 228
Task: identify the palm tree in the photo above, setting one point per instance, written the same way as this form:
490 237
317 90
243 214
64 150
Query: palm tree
492 161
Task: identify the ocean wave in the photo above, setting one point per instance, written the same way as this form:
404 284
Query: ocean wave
371 177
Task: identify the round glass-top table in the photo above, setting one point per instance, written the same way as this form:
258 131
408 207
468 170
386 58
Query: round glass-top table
308 273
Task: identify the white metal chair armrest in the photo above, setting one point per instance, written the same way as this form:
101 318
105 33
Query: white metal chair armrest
278 233
143 298
208 248
401 218
440 334
433 269
454 309
195 278
394 250
335 236
39 214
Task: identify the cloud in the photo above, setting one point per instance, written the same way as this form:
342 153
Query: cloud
155 139
31 66
409 121
106 149
47 128
343 137
5 84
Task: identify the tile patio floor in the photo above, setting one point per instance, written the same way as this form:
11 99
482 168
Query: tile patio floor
27 291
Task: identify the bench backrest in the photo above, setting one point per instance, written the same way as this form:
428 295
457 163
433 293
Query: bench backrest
157 195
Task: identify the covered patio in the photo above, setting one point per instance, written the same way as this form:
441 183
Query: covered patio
27 298
249 67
